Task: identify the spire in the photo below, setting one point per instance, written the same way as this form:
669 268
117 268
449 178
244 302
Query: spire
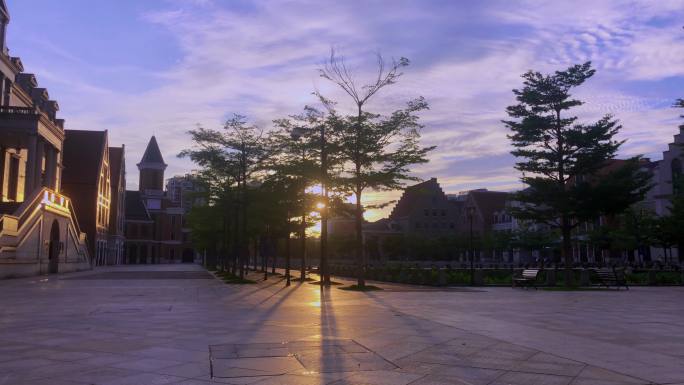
152 168
4 12
4 20
152 154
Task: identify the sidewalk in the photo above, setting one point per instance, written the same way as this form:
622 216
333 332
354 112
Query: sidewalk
170 324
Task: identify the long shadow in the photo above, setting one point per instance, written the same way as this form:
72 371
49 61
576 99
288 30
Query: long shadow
413 323
328 330
259 288
247 335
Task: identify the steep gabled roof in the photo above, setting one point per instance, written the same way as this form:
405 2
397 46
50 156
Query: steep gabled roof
82 156
135 208
412 195
115 163
489 202
152 153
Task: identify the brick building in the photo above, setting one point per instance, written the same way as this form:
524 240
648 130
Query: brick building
155 223
39 232
117 218
87 180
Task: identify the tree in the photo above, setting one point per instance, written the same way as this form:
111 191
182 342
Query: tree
377 149
635 231
233 157
558 157
297 158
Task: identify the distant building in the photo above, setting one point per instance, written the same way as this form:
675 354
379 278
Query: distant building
155 224
484 210
342 223
86 179
668 174
117 217
425 210
185 191
39 232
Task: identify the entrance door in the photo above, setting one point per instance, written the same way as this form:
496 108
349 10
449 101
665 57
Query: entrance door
188 256
53 248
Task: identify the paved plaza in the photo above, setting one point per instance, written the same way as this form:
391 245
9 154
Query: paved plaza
176 324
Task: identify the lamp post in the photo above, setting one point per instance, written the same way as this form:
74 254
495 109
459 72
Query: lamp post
324 272
470 210
287 249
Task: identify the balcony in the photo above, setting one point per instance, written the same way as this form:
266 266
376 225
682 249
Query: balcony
27 120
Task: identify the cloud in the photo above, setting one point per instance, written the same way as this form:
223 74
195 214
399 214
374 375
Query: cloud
260 59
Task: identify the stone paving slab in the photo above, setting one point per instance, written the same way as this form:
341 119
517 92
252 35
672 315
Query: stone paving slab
128 275
121 327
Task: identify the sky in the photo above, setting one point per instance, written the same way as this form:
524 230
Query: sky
161 67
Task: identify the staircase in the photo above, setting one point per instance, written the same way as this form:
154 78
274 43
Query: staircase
41 236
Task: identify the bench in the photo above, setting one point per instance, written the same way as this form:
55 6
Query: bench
527 278
610 276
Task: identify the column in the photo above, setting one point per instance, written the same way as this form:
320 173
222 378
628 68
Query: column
58 171
50 167
38 170
2 172
30 166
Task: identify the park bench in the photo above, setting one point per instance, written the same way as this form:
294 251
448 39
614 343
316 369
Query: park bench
610 276
527 278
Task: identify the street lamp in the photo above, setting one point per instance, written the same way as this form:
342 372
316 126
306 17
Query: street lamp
324 272
470 210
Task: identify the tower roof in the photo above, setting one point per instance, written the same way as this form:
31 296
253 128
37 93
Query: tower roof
3 10
152 155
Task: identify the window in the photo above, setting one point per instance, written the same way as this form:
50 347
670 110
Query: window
13 178
676 176
434 212
427 212
154 204
443 213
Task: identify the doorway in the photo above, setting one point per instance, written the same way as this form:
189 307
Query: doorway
53 248
188 256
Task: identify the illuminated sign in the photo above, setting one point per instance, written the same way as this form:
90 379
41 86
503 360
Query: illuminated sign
55 201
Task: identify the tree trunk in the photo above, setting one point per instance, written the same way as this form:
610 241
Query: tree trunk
324 270
287 251
302 240
273 251
234 243
566 250
360 262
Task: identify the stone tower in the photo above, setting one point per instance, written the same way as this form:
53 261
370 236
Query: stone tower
152 168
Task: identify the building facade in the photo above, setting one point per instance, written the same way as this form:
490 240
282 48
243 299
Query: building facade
39 232
185 191
117 217
668 176
425 210
156 229
87 179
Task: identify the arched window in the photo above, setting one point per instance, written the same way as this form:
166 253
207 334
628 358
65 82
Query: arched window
676 175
